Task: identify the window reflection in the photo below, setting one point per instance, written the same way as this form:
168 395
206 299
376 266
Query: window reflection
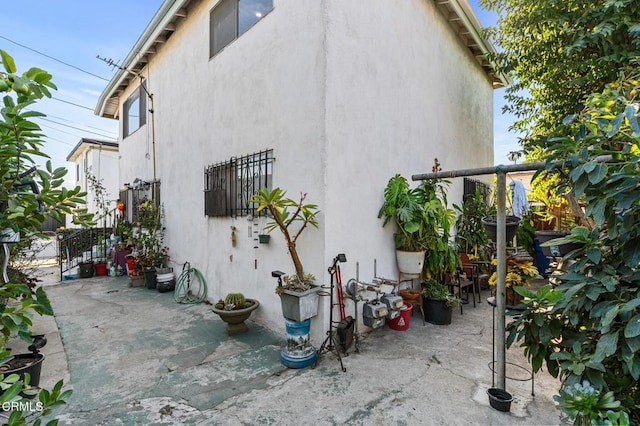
251 11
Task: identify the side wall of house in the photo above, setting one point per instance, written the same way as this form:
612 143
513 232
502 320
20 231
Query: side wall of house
262 91
103 164
402 91
344 95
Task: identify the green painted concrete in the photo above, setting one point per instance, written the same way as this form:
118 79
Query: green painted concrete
127 344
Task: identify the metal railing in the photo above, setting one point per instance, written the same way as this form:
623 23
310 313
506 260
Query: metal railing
76 246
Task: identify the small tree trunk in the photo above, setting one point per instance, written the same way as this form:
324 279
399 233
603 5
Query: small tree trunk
577 211
296 260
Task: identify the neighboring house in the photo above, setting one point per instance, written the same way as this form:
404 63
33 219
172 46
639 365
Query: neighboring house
100 158
330 98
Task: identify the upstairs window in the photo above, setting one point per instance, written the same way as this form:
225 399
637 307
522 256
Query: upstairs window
229 185
230 18
134 112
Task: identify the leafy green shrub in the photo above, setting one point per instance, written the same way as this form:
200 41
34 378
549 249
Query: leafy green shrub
28 193
592 329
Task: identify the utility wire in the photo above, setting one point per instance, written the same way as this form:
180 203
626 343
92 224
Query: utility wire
76 128
58 130
55 59
71 103
57 140
70 121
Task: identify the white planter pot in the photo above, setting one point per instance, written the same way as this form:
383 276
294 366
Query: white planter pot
9 236
298 306
410 262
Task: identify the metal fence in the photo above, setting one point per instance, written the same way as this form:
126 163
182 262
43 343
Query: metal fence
473 185
75 246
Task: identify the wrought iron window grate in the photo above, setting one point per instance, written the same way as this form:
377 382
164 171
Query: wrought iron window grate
473 185
230 185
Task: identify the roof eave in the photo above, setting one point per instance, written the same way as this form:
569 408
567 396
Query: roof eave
158 24
109 145
473 27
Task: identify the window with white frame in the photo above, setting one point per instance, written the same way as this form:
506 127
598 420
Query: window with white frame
134 112
230 18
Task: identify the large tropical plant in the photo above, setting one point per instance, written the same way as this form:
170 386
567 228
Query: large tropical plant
423 220
406 207
470 232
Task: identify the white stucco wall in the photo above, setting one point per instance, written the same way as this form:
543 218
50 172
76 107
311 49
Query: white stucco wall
104 164
263 91
344 95
401 91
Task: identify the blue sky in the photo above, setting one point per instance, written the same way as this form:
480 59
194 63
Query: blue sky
76 31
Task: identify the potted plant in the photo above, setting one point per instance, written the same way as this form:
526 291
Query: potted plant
471 234
234 310
491 223
423 224
520 269
292 217
442 257
438 304
298 294
153 254
134 271
405 206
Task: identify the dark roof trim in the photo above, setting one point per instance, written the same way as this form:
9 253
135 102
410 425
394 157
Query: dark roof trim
95 142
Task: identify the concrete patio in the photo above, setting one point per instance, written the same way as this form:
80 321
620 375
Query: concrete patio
135 356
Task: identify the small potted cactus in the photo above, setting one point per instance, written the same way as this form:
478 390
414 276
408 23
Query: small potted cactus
234 309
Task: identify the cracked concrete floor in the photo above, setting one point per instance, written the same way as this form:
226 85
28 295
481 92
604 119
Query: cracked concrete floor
137 357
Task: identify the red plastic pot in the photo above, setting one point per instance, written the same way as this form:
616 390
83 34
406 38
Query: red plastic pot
100 269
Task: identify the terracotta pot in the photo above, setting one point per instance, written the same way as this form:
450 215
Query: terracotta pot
408 294
511 297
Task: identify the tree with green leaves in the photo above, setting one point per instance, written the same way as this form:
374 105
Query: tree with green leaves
588 327
28 193
560 52
21 142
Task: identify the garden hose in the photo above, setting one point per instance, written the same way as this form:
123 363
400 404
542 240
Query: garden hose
191 287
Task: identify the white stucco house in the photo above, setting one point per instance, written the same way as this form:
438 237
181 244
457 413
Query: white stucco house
99 158
330 98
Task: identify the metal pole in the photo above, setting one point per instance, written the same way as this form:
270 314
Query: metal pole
482 171
501 237
153 141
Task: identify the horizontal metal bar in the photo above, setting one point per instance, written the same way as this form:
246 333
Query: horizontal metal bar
481 171
497 169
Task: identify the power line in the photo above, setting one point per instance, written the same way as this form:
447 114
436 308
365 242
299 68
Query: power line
60 131
71 103
76 128
55 59
70 121
57 140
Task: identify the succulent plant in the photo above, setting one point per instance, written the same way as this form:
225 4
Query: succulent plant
236 299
